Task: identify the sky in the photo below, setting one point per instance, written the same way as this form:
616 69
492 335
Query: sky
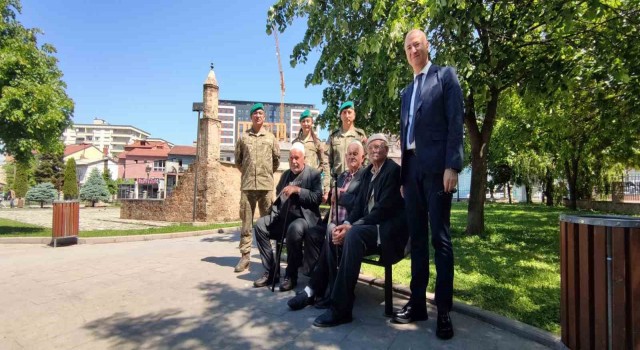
143 63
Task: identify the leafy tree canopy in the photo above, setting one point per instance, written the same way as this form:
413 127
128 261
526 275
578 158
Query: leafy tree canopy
34 106
534 46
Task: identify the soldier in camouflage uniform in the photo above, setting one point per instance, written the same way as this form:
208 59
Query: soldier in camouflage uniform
314 150
340 139
258 157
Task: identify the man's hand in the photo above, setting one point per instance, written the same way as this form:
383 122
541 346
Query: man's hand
289 190
325 196
450 180
338 233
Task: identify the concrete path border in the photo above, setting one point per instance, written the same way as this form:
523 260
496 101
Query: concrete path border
519 328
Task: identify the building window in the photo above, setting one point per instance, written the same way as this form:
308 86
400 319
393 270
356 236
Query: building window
158 165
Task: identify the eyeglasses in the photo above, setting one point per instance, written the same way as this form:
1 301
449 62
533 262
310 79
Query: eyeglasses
374 147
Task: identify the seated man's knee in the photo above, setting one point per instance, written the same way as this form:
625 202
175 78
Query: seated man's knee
353 236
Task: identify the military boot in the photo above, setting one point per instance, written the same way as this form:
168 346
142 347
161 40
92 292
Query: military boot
243 264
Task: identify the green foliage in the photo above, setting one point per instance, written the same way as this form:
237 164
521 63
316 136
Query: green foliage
70 185
95 189
111 183
9 170
21 182
496 47
42 193
34 107
50 168
120 181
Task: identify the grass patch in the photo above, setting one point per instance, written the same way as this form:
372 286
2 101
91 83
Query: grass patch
513 270
11 228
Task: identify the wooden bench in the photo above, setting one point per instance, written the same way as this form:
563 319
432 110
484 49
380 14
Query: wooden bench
388 280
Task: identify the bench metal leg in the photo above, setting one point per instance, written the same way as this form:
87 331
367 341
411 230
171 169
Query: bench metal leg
388 291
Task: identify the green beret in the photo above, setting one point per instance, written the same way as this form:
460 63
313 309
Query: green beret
348 104
305 114
256 107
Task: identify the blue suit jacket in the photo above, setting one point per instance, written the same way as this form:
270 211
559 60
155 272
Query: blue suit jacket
437 121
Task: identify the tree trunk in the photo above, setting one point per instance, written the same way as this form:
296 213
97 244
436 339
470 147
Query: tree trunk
549 188
527 194
479 140
509 192
572 174
41 205
475 214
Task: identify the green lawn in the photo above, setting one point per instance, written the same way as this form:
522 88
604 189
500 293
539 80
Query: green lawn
514 270
10 228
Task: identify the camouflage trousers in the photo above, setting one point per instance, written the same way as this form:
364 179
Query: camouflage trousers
248 201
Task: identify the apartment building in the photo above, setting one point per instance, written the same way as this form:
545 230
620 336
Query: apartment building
102 134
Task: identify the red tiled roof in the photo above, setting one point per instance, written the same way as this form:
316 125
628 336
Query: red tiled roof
143 152
71 149
183 150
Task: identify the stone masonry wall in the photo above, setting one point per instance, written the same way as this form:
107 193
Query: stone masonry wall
611 207
221 183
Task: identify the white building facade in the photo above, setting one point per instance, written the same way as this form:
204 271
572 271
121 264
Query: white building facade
102 134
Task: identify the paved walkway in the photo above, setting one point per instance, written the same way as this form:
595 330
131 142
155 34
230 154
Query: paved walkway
106 218
182 293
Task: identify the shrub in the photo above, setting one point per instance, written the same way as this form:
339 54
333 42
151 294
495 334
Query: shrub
43 193
95 189
70 186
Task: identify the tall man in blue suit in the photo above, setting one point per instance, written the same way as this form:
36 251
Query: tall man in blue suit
431 134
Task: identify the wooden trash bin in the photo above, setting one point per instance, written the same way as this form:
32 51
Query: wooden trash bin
600 282
66 220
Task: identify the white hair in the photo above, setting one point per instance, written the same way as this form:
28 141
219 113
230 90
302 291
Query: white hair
299 146
356 142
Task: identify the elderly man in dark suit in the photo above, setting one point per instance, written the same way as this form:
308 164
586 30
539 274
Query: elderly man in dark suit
431 135
297 209
324 274
376 221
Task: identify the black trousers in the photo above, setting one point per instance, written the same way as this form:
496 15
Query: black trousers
427 206
326 269
360 241
265 230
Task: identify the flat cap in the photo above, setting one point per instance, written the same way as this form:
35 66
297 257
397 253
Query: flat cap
376 137
256 107
305 114
345 105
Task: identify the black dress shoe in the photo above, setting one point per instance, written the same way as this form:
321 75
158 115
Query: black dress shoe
265 280
410 313
444 329
300 301
323 303
288 284
331 319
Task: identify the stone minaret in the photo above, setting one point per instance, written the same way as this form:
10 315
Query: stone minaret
209 138
213 186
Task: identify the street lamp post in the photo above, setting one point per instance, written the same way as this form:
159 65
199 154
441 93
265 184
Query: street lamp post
148 170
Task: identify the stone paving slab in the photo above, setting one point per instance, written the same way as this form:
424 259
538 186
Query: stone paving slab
105 218
182 293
